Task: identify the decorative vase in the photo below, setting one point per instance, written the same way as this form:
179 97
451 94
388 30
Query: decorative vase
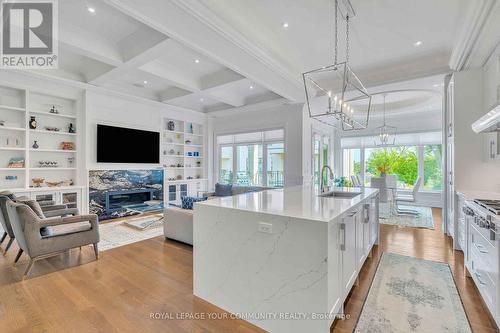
33 123
35 145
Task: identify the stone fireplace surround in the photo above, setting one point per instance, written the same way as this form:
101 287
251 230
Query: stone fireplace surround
111 190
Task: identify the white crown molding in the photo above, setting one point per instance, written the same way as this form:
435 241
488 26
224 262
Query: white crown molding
209 18
249 108
105 91
476 19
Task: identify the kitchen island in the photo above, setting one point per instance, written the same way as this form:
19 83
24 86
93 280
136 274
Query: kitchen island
285 259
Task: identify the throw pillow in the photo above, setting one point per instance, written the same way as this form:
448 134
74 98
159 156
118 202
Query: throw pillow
9 195
187 202
223 190
35 206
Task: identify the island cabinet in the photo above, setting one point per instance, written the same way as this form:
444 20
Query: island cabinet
285 259
351 242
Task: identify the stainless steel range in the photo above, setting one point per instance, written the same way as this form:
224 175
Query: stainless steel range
491 205
486 216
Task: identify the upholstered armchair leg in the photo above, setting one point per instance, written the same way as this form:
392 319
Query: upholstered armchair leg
8 245
28 269
3 237
96 250
19 253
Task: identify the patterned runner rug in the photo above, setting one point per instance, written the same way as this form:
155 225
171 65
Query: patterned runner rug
424 220
412 295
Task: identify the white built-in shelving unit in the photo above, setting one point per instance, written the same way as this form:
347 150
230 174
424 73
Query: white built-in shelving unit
17 106
183 158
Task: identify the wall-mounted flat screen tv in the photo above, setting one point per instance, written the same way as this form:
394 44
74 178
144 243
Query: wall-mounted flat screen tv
127 145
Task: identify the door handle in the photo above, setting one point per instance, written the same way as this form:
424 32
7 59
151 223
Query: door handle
342 230
492 145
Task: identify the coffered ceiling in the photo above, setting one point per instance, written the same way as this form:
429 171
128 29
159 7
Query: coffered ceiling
220 55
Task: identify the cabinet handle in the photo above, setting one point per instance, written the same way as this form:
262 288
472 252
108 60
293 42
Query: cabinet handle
342 230
479 247
478 277
492 145
352 214
367 213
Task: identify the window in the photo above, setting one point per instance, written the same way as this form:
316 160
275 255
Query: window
351 163
316 158
249 165
401 161
433 171
407 162
226 165
244 157
321 156
275 164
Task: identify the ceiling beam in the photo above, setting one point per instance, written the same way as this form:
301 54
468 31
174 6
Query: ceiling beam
133 63
81 42
195 25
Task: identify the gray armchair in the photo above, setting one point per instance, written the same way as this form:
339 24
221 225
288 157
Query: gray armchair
43 238
48 209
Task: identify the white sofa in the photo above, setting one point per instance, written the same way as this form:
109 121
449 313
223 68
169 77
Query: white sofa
178 222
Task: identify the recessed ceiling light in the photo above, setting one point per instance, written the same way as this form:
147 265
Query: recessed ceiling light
91 10
251 87
417 43
202 99
145 82
196 61
435 85
285 25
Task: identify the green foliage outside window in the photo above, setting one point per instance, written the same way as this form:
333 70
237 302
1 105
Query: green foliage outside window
400 161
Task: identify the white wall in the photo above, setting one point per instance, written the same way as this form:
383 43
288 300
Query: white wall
288 117
117 111
472 170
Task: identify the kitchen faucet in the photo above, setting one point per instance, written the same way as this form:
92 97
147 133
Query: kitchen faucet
331 175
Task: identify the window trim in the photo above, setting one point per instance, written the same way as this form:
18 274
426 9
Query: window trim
420 151
264 144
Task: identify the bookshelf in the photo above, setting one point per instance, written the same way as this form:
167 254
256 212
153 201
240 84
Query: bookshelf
17 107
183 158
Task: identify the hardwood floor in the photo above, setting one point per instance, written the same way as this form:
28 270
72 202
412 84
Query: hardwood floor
127 285
425 244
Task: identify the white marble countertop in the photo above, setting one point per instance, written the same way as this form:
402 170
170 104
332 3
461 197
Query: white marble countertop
298 201
473 194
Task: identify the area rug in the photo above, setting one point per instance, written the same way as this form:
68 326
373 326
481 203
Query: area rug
115 234
424 220
412 295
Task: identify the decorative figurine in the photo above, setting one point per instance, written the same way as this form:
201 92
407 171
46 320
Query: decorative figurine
171 126
54 110
71 129
35 145
37 182
33 123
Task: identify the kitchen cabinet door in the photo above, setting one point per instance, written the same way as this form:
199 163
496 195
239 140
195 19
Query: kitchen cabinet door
348 251
334 268
360 238
374 221
366 230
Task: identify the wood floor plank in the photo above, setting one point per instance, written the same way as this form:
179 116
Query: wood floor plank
127 285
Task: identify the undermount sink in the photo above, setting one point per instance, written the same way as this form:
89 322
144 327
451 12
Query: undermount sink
339 194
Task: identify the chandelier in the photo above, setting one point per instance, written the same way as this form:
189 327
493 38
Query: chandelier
386 134
334 93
